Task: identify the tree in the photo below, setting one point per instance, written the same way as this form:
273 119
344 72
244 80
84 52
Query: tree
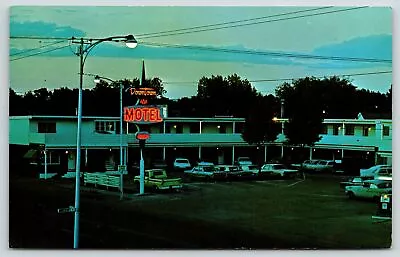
305 116
260 125
231 96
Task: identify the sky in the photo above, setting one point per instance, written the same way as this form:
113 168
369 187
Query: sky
262 44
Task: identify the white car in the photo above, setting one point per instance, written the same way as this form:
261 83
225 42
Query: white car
210 172
370 189
182 164
377 171
231 170
277 169
244 161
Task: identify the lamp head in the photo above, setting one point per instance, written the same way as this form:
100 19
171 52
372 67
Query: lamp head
97 79
130 41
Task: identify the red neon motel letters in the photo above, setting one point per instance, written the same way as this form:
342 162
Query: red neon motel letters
140 114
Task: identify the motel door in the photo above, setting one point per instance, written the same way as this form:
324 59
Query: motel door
71 161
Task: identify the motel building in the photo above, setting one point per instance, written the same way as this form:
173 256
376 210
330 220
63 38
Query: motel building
39 143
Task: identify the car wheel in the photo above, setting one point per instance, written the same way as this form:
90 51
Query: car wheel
351 195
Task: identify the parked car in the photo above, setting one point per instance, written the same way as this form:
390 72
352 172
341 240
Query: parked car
309 164
278 169
377 171
157 179
249 170
182 164
353 181
370 189
205 163
244 161
207 172
324 165
231 171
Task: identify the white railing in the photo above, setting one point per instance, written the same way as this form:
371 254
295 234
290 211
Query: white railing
102 179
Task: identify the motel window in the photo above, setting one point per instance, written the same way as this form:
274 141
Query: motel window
349 130
179 128
336 129
221 129
324 129
53 158
239 127
366 130
386 130
46 127
194 128
105 127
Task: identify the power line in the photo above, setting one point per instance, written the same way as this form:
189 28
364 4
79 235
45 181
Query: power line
180 31
230 22
51 50
287 79
267 53
253 23
41 38
37 48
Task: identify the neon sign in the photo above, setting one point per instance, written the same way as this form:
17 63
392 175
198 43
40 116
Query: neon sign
143 91
142 135
143 114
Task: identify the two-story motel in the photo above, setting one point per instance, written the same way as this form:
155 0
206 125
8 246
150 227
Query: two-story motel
215 139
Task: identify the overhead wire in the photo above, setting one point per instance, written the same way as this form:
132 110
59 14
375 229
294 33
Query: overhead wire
42 52
275 54
37 48
229 22
252 23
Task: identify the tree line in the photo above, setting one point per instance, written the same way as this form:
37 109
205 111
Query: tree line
305 102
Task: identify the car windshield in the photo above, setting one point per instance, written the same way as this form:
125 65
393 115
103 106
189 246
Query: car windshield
278 166
182 161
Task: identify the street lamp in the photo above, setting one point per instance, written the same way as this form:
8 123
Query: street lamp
98 79
85 46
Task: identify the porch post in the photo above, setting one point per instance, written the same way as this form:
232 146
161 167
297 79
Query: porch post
200 152
164 153
45 164
233 155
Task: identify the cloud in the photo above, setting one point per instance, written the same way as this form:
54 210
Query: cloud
369 47
374 47
43 29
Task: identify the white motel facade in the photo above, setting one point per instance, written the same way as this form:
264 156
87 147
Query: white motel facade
217 139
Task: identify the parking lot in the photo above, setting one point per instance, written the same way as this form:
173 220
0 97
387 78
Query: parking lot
266 214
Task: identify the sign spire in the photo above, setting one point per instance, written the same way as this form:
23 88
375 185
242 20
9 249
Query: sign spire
143 82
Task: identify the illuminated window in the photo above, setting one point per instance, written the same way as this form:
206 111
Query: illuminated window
366 130
46 127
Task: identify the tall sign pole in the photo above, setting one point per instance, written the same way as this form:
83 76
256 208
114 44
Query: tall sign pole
142 114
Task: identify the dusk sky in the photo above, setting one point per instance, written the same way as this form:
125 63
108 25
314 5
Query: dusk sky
257 43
